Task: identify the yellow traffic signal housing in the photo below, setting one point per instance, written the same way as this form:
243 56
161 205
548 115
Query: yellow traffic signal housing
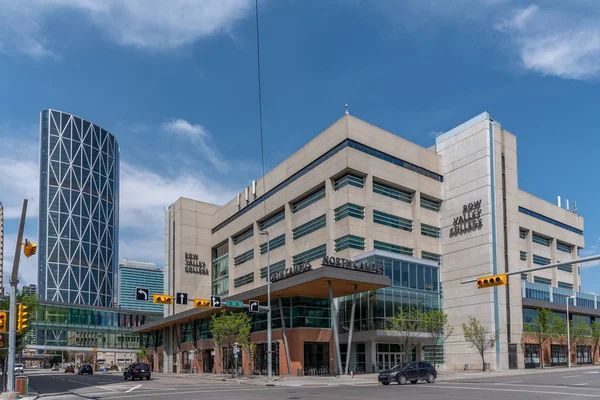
490 281
162 299
29 248
22 318
202 303
3 322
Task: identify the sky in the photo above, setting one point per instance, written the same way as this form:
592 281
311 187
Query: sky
176 83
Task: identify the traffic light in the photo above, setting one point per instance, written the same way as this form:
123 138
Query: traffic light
22 318
202 303
3 322
494 280
162 299
29 248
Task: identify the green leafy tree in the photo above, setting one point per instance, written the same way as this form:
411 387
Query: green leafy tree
479 337
579 331
545 326
435 323
595 336
142 354
227 328
406 326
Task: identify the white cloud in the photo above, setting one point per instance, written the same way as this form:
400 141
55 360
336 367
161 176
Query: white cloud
146 24
590 251
199 136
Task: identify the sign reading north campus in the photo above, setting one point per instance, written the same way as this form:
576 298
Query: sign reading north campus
328 262
469 221
193 265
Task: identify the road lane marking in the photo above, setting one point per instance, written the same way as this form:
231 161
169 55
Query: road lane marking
570 376
510 382
538 386
580 384
510 390
133 388
81 383
105 388
264 388
593 372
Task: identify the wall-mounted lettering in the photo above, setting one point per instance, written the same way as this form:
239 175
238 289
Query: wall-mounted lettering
469 221
193 265
294 270
349 264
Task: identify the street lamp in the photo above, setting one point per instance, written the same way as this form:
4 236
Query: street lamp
269 339
569 332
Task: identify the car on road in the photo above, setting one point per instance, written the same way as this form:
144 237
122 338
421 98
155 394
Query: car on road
137 370
69 368
86 369
18 368
408 372
55 367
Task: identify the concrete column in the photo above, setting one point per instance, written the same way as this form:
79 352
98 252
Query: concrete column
416 206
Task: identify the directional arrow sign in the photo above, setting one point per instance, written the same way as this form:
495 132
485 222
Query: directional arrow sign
253 305
141 294
181 298
233 303
215 301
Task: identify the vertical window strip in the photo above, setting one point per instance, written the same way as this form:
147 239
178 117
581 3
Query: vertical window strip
392 192
272 220
309 227
393 221
432 205
349 179
349 210
310 255
393 248
350 242
273 244
307 201
242 258
431 231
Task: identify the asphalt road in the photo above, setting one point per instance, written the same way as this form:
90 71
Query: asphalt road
565 384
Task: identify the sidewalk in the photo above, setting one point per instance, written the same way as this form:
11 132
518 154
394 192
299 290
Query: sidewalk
364 379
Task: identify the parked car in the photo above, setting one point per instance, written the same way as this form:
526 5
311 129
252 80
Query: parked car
135 371
18 368
70 368
86 369
409 372
55 367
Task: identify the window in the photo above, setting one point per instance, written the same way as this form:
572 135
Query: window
558 354
566 268
309 227
349 242
243 280
550 220
565 285
308 200
394 193
310 255
392 221
431 256
248 233
539 260
523 233
523 255
542 281
541 240
393 248
532 355
242 258
273 244
564 247
275 267
523 277
432 205
349 179
272 220
431 231
349 210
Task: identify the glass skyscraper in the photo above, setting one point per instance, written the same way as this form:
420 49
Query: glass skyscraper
79 211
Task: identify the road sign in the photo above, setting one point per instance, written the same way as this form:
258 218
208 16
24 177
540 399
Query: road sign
202 303
215 301
254 305
181 298
141 294
233 303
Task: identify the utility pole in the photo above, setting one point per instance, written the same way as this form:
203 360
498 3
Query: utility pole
269 333
14 280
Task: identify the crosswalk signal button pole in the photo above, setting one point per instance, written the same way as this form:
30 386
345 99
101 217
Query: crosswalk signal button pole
491 281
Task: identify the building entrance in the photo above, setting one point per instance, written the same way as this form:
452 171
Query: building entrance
316 358
392 354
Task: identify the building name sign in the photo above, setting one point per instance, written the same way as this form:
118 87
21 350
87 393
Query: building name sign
469 221
193 265
294 270
355 265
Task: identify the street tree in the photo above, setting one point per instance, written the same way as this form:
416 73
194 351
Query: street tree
142 354
435 323
406 326
228 328
479 337
595 336
579 331
545 326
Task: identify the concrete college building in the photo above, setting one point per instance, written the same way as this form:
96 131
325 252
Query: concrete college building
362 219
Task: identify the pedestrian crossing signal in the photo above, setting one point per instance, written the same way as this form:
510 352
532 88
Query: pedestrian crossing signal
490 281
162 299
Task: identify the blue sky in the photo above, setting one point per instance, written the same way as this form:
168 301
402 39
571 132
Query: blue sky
175 82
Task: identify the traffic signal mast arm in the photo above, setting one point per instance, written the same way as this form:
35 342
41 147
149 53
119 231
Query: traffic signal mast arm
558 264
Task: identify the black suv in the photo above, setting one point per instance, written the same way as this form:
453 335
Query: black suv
135 371
410 372
86 369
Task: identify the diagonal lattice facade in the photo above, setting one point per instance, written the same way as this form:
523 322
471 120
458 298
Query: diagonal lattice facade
79 211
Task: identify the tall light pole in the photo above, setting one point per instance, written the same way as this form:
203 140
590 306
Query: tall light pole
269 338
569 333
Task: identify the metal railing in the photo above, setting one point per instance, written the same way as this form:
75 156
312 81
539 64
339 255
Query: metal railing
538 291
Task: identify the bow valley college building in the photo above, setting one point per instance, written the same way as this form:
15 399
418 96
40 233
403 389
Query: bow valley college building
362 223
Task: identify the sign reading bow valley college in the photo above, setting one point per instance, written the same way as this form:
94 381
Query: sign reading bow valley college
469 221
194 266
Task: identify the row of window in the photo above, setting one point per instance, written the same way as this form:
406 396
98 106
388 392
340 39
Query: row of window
539 260
247 234
275 243
545 241
549 220
309 227
242 258
243 280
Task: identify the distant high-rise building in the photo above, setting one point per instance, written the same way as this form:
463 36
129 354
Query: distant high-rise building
1 247
30 289
79 211
138 282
